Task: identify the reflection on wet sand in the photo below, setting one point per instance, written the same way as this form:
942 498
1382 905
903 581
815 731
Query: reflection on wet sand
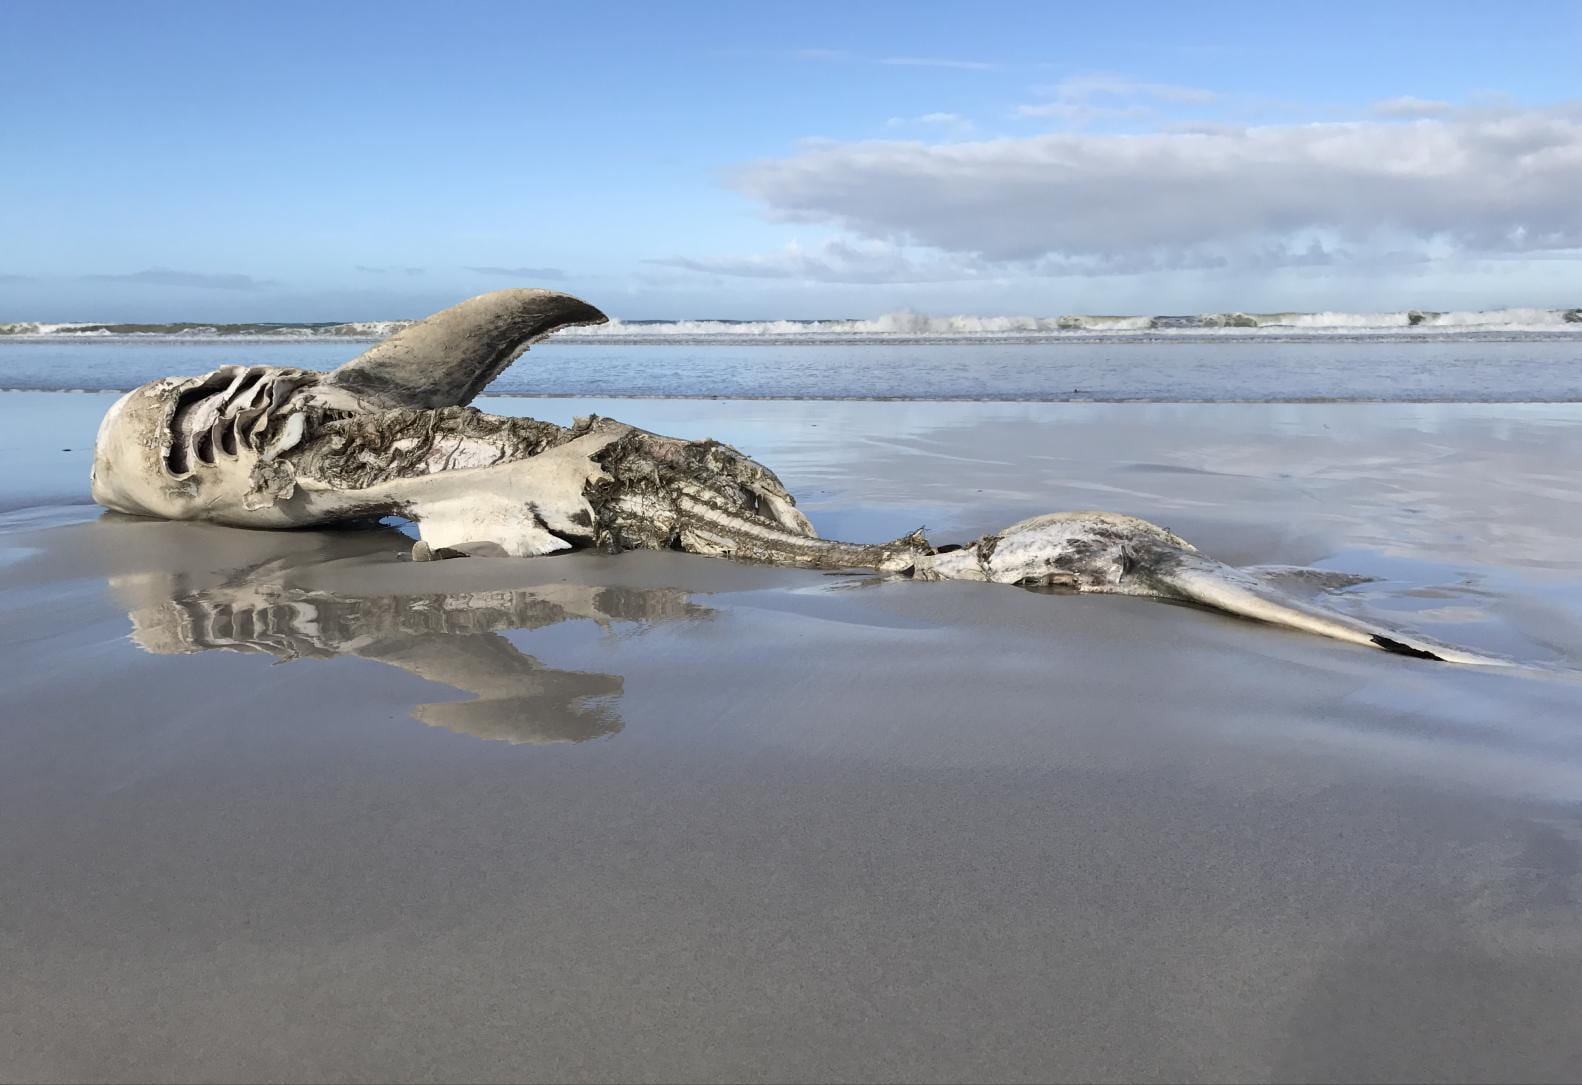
449 637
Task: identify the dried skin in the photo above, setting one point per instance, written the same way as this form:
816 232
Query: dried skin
365 450
707 498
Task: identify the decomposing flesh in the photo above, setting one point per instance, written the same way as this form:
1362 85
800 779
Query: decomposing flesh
390 434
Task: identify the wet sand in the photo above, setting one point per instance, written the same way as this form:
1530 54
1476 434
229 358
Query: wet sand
289 807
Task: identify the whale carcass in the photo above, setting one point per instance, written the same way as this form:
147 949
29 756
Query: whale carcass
391 434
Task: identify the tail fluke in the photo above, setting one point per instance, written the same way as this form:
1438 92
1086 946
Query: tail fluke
1197 579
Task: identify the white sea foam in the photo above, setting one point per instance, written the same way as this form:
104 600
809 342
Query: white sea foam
370 329
1538 318
911 325
1480 320
902 325
35 327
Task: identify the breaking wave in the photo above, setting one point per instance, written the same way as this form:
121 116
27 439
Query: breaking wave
365 329
903 325
909 325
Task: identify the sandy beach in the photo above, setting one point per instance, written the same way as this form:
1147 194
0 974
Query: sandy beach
286 806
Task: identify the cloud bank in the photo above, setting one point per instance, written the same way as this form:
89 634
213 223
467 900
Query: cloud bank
161 276
838 262
1479 181
875 262
1103 97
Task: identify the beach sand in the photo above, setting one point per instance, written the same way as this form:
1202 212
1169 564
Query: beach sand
656 817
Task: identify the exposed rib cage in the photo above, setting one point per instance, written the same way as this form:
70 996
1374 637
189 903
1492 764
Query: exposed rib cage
236 408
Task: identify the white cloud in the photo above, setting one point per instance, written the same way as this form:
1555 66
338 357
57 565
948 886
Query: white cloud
1098 96
1488 180
1082 112
836 262
1411 106
1097 85
163 276
953 122
875 262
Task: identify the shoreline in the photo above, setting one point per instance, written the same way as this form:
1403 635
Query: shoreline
1198 337
947 400
1345 370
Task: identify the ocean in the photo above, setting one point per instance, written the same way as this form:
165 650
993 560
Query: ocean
1512 355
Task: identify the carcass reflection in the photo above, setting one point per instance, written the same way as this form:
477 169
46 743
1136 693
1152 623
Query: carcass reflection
452 637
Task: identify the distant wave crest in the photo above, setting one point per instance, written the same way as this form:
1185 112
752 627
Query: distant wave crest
909 325
365 329
903 325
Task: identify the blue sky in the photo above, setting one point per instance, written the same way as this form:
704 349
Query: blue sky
283 161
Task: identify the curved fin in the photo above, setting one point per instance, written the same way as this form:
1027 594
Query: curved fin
1201 580
447 359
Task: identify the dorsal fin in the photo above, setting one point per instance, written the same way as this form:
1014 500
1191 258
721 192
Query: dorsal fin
447 359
